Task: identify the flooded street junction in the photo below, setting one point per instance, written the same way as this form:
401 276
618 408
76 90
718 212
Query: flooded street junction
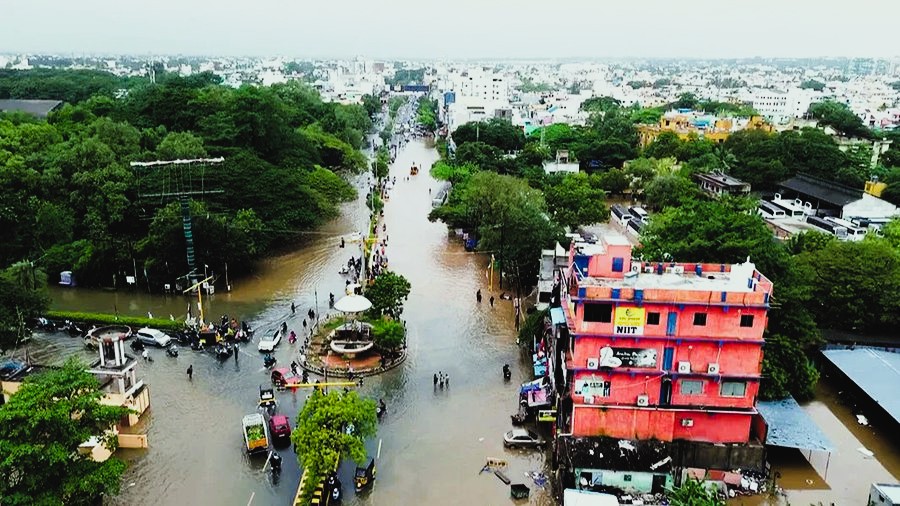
432 443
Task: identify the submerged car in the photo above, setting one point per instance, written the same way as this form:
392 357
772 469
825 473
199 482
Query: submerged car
269 343
521 437
154 337
283 376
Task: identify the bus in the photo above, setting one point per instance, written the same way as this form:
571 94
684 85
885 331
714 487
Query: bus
828 227
770 210
620 213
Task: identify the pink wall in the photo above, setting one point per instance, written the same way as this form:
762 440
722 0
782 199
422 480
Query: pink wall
664 425
601 265
624 389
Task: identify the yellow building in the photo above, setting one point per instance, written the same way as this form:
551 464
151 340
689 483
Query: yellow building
687 124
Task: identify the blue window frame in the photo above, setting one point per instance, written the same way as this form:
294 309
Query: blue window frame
618 264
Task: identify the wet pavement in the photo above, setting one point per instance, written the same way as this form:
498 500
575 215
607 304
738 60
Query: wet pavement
433 442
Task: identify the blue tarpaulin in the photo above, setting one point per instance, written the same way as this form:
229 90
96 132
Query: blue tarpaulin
791 427
557 316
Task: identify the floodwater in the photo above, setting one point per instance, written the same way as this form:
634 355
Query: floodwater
433 443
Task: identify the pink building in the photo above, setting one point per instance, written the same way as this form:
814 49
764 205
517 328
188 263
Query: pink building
662 351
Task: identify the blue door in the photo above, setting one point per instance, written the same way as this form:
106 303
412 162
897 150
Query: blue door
671 323
668 357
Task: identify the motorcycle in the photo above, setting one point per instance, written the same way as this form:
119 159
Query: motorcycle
137 345
292 338
172 351
269 361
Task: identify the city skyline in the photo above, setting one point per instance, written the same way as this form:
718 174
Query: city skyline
466 29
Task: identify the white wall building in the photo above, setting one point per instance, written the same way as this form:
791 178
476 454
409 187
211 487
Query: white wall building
780 106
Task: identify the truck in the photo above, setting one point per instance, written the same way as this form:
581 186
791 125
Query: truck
256 434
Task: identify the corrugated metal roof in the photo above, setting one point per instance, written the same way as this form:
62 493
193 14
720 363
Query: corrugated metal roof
40 108
876 372
823 190
791 427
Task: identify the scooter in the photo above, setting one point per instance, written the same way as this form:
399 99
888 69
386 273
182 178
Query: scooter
292 338
172 351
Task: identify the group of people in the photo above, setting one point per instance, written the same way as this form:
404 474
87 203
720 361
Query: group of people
441 380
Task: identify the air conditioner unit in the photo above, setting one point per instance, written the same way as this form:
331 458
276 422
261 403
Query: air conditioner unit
684 367
687 422
588 399
678 269
643 400
593 363
648 269
635 267
713 368
670 270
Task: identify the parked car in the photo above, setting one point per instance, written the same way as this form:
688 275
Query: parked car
521 437
280 427
154 337
284 376
269 343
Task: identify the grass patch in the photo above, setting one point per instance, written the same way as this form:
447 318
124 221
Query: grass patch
108 319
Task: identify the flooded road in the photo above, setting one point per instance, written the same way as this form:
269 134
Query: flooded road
433 443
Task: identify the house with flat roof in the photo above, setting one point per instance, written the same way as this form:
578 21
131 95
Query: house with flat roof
719 183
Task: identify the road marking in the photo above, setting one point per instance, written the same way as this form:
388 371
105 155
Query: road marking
378 455
251 498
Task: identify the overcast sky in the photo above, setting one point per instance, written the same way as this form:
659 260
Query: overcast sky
455 28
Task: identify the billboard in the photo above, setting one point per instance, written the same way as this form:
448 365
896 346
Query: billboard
629 321
628 357
592 387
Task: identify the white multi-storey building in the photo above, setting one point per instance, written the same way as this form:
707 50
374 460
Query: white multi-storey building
780 106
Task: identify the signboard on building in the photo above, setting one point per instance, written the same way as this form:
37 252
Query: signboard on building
628 357
592 387
629 321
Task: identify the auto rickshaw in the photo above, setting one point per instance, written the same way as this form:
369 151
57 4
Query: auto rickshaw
414 170
267 398
365 476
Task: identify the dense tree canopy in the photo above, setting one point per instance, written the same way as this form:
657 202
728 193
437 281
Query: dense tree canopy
496 132
41 428
74 202
839 117
576 199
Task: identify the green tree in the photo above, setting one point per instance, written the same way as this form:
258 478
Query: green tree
180 146
371 104
839 117
694 492
331 426
388 334
495 132
574 201
23 297
669 190
41 428
812 84
613 181
387 294
855 285
600 104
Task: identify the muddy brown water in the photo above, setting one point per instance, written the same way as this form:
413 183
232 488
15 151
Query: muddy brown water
433 443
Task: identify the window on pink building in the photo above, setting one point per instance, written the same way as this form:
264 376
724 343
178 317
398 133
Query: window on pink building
652 318
746 320
734 388
700 319
594 312
618 264
691 387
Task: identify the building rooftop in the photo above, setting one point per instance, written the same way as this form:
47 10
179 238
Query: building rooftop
735 280
40 108
826 191
876 372
791 427
721 179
